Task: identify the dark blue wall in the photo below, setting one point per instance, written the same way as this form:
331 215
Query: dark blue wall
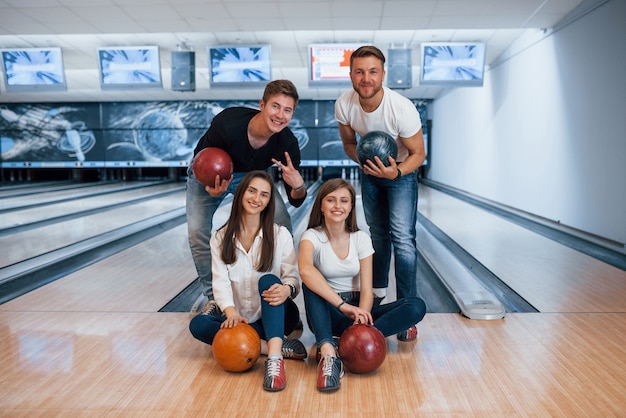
144 134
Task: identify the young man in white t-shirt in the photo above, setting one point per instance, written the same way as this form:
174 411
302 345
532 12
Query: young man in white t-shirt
389 191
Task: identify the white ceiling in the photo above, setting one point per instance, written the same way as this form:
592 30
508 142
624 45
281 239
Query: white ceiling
289 26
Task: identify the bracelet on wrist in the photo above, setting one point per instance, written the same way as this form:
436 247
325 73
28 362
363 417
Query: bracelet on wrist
293 292
300 187
339 306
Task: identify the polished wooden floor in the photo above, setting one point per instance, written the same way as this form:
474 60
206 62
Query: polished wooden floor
93 344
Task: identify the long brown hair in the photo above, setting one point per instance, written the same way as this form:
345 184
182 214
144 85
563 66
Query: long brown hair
316 219
233 226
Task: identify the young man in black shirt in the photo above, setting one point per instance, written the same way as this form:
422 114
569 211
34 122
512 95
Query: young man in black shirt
255 140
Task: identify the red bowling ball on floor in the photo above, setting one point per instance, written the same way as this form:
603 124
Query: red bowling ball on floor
362 348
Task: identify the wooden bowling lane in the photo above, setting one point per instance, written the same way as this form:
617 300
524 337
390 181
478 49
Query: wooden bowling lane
52 210
47 196
142 278
550 276
31 243
94 363
21 188
94 344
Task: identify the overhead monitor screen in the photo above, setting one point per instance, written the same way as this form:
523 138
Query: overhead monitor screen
33 69
452 64
129 67
240 66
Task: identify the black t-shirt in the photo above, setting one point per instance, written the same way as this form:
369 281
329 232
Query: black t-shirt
229 131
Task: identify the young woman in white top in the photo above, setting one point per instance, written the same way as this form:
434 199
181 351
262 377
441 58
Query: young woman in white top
255 277
335 264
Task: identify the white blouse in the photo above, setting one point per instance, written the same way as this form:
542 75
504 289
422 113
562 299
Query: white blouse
237 284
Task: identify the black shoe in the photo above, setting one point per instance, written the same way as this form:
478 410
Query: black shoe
211 308
294 349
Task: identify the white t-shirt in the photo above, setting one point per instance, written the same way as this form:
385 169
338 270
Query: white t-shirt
341 274
396 115
237 284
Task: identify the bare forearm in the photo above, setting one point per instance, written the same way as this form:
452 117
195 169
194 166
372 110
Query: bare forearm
350 150
411 163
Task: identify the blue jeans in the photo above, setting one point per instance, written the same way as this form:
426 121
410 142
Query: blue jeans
391 213
201 207
326 321
276 321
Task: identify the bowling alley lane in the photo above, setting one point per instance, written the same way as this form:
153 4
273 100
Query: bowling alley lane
51 194
93 363
550 276
31 243
11 190
141 278
94 343
80 204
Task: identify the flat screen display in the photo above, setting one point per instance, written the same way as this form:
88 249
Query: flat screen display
452 64
240 65
129 67
329 64
33 69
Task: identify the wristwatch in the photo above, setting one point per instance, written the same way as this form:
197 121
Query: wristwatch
398 176
293 292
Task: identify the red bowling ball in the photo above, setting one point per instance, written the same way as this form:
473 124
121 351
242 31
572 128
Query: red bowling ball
362 348
211 162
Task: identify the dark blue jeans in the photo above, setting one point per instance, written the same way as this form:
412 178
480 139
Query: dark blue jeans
391 213
326 321
276 321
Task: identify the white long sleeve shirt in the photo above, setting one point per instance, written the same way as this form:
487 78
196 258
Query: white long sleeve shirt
237 284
